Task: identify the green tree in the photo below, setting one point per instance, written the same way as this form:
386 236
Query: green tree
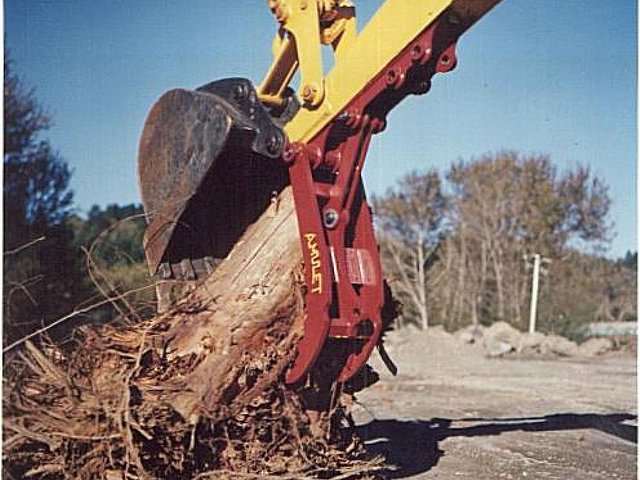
630 260
115 233
36 179
42 272
111 239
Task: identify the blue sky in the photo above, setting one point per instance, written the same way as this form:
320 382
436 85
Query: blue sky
556 77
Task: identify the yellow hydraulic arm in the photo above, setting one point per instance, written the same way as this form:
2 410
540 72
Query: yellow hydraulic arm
306 25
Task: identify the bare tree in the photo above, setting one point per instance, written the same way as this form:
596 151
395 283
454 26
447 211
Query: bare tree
506 205
458 258
409 220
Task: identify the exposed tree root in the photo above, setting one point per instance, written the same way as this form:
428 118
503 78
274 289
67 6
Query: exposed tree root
98 412
197 392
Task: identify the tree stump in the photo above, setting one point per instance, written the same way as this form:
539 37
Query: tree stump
196 392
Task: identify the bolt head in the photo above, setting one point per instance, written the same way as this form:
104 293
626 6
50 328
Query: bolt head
239 92
273 144
309 92
394 78
290 153
330 218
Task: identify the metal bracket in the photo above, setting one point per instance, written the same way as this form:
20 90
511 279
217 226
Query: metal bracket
239 92
304 26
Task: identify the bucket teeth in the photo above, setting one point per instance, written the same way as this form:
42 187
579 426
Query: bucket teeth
188 269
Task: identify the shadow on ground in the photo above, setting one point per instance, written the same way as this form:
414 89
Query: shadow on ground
412 446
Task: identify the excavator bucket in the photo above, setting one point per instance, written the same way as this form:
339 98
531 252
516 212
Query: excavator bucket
208 167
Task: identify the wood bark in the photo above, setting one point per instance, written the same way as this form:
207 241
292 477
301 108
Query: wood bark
228 316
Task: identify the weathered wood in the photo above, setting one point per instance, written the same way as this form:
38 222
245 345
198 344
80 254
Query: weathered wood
228 320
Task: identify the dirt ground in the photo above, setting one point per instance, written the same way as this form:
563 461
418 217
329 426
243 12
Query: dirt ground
453 413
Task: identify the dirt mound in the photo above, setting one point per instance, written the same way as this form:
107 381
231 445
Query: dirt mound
503 339
498 340
596 346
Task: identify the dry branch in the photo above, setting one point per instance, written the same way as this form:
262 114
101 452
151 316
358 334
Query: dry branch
23 247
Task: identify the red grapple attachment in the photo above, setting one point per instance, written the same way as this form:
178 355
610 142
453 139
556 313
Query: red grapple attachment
332 210
207 169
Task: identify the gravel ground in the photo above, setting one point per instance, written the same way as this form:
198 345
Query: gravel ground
453 413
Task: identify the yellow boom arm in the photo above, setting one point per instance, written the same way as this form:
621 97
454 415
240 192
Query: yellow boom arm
305 25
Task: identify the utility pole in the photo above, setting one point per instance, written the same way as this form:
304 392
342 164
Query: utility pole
535 283
533 310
